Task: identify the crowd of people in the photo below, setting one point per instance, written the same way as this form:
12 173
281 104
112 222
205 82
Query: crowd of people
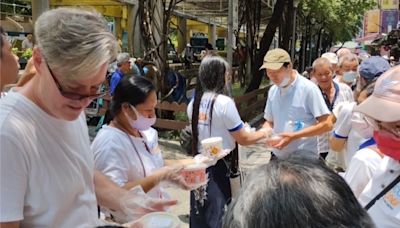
336 163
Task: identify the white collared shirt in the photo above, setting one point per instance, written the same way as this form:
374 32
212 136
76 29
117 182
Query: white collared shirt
361 169
344 94
386 211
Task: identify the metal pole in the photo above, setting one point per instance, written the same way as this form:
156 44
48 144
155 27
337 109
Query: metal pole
39 7
229 50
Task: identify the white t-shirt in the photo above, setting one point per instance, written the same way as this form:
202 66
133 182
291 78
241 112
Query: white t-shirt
362 167
46 177
122 162
225 119
26 44
386 211
343 130
344 94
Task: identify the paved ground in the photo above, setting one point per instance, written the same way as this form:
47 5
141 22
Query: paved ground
256 155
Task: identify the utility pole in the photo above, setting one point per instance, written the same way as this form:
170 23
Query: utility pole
39 7
232 25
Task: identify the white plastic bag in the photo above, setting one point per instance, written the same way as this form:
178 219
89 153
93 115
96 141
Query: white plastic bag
136 203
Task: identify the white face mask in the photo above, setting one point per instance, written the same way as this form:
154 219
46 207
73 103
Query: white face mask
350 76
362 128
141 123
285 81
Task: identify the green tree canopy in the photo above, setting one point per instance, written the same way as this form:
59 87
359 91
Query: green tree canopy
20 7
342 19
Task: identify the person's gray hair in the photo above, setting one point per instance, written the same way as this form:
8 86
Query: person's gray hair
343 51
321 61
122 58
347 58
212 73
75 42
297 192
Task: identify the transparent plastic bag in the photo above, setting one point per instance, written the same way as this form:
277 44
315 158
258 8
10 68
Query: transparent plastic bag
136 203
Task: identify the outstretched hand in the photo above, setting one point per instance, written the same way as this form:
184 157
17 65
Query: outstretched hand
287 137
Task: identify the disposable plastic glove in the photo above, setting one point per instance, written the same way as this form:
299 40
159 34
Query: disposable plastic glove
137 203
210 161
172 175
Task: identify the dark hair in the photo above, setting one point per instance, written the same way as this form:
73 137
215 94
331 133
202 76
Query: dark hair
132 90
297 192
209 46
286 64
1 41
211 78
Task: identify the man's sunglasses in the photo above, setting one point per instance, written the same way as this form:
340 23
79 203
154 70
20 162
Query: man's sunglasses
71 95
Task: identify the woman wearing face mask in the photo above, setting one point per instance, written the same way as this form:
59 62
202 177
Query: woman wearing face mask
350 130
214 114
126 150
365 161
381 195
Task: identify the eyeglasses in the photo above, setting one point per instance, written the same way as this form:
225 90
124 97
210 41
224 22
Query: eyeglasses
70 95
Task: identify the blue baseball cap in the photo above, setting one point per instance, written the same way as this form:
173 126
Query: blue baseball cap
373 67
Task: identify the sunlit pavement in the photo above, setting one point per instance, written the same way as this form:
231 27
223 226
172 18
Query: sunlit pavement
256 155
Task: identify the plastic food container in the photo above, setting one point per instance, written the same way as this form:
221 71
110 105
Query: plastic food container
160 220
195 174
212 146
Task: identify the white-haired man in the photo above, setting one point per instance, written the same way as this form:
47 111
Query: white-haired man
348 70
332 92
124 67
47 176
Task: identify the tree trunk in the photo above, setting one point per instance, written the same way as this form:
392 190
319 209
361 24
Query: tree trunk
303 51
288 25
318 47
252 16
265 43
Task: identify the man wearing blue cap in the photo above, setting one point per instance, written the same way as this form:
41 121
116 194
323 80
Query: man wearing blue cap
370 70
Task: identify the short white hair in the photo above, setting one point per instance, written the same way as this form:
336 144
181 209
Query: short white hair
322 61
347 58
343 51
122 58
75 42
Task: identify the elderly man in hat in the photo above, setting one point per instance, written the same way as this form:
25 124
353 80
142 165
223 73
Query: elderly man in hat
295 108
333 59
